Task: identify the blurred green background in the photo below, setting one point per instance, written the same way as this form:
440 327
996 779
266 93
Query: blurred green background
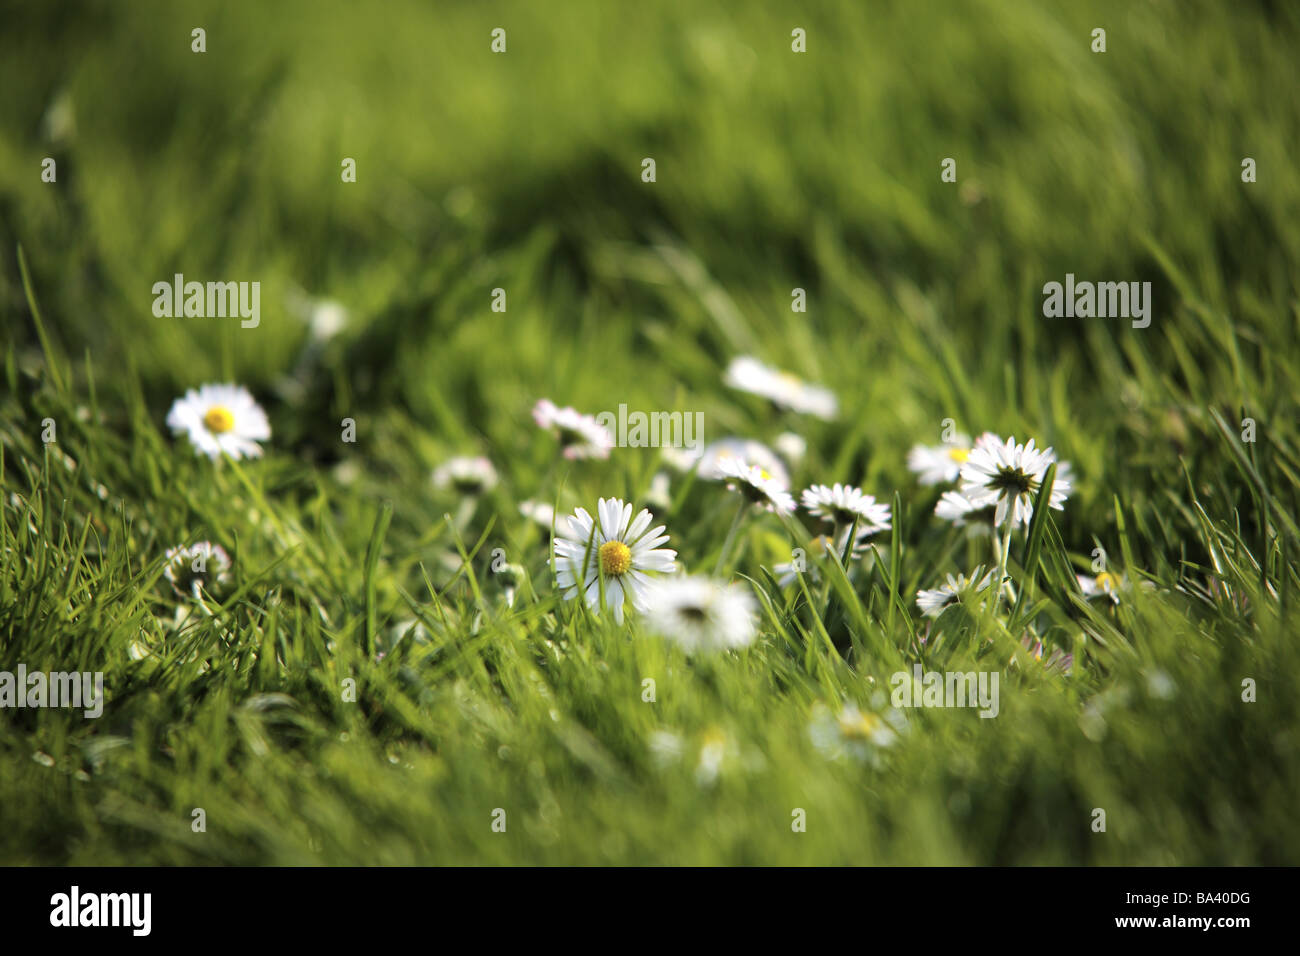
775 170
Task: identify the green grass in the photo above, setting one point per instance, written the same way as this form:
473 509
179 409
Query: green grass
522 171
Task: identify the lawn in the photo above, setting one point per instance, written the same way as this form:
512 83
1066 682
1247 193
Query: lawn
389 672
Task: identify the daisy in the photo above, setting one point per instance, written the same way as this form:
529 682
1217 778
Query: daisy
781 388
221 419
757 485
939 464
466 476
934 602
854 732
819 546
659 494
613 548
1008 475
1057 660
540 511
1104 584
955 508
740 449
791 447
581 436
203 565
701 614
843 504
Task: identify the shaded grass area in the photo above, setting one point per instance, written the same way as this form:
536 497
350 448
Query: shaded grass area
522 171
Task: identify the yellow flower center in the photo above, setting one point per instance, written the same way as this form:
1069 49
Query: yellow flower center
959 455
1106 581
860 727
615 558
218 420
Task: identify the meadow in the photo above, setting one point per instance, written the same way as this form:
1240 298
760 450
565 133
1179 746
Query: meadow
389 673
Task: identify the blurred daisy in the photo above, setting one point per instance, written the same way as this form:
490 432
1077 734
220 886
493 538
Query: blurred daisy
614 548
843 504
580 436
701 614
326 319
757 485
939 464
1008 475
665 747
1104 584
791 447
953 507
540 511
221 419
466 476
201 566
659 494
715 748
854 732
1057 660
781 388
937 600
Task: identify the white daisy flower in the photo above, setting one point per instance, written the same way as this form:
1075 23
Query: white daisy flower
781 388
757 485
221 419
939 464
817 550
843 504
581 436
953 507
1104 584
854 732
701 614
713 454
202 565
614 547
659 494
1008 475
466 476
540 511
791 447
934 602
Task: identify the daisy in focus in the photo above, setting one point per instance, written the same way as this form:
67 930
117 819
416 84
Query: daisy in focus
701 614
613 548
710 459
1007 476
221 419
757 485
580 436
202 566
939 464
937 600
782 389
466 476
842 505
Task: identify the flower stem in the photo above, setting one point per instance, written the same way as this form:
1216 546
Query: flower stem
731 536
1003 553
